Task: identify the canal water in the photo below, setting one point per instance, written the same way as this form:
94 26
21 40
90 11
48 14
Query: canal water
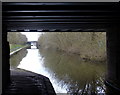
68 73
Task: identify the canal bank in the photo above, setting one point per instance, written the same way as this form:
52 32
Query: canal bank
19 49
87 45
27 82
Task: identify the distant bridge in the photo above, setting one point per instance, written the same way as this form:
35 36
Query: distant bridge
33 43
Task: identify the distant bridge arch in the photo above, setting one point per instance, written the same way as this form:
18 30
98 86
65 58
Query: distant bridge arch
32 43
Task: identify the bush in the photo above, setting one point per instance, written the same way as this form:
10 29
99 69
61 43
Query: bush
90 45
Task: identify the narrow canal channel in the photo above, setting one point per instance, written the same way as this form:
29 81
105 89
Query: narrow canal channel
68 73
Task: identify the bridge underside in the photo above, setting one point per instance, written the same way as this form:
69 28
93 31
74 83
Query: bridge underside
66 17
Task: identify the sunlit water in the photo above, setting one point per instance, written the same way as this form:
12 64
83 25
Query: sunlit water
67 73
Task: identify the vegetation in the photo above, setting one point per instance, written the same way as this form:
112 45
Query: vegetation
16 40
89 45
14 47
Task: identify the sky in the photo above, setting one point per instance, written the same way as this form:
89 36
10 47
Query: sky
32 36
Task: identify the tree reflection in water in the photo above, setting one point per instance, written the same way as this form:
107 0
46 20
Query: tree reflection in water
67 72
80 76
15 59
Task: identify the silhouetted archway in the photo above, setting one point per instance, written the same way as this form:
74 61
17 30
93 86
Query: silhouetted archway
63 17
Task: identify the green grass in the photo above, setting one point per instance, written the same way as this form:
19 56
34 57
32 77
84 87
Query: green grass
14 47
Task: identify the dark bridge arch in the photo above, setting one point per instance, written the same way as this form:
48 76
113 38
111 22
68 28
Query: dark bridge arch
81 17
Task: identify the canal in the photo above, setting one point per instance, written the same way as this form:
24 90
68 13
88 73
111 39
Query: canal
68 73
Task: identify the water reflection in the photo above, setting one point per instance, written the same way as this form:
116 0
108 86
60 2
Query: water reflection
77 75
15 59
68 73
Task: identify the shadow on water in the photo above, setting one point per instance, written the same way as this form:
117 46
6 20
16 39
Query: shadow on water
74 73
